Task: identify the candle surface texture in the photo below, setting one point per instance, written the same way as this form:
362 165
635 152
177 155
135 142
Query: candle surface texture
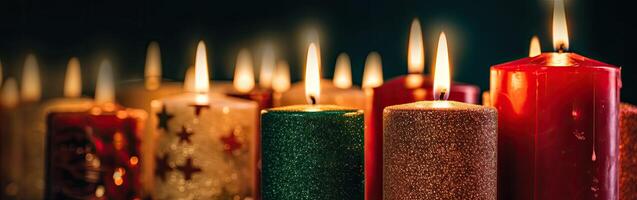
628 150
558 127
439 152
312 152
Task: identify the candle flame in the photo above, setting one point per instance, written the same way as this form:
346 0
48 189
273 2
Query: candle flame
281 78
189 80
268 63
152 73
31 88
441 74
105 87
416 49
560 29
9 95
201 69
343 72
312 75
244 72
373 72
534 47
73 79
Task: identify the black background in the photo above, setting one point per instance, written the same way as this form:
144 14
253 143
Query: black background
481 33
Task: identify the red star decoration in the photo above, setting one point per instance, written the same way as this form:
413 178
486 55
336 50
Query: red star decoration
162 167
199 108
188 169
184 135
231 142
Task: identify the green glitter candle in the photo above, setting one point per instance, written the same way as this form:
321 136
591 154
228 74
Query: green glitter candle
312 152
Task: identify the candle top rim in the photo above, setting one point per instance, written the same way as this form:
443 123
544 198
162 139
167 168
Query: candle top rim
312 109
427 83
626 108
429 106
541 61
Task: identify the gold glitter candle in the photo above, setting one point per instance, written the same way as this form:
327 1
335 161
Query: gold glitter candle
628 151
439 149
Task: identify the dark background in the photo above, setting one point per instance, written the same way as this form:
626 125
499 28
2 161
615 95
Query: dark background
481 33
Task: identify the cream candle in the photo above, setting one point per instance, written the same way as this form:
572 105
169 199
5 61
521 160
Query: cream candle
9 100
205 143
439 149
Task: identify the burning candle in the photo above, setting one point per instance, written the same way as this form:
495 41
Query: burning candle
404 89
628 151
312 151
205 142
280 81
373 72
558 115
94 152
268 64
339 91
9 137
244 85
440 149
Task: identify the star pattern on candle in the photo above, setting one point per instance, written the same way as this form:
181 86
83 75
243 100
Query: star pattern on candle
188 169
231 142
199 108
163 117
162 167
184 135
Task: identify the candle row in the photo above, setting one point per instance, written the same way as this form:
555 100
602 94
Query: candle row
553 128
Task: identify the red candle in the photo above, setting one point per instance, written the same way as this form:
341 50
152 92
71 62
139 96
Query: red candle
558 124
94 154
405 89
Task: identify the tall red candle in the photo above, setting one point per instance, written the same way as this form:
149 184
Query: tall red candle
558 124
405 89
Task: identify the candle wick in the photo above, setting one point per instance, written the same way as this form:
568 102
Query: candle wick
561 48
313 100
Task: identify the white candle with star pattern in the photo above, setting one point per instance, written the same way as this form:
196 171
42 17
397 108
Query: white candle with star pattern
205 143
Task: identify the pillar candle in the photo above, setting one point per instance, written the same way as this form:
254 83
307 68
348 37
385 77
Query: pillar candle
628 151
9 125
94 153
558 116
312 151
206 143
244 84
403 89
439 149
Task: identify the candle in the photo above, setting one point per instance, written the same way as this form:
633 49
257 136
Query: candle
628 151
339 91
35 137
205 142
400 90
94 152
439 149
558 135
244 86
280 81
9 99
534 50
312 151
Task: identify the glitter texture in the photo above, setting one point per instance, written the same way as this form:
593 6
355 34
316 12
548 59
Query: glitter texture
312 152
628 151
435 152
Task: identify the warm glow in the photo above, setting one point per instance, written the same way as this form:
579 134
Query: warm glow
152 72
9 94
312 75
343 72
373 72
534 48
441 71
105 88
31 89
189 80
281 78
560 29
201 69
73 79
244 72
416 49
268 62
